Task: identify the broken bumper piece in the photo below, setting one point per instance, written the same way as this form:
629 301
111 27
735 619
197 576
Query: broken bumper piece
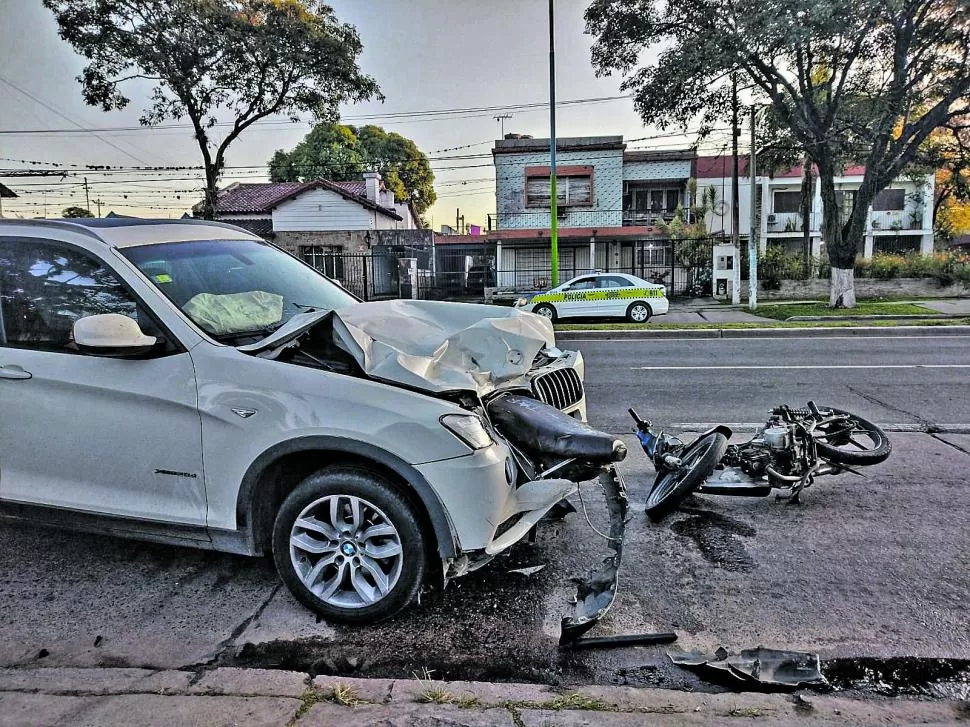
595 594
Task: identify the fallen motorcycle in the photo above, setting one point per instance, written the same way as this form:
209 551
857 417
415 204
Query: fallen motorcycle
793 448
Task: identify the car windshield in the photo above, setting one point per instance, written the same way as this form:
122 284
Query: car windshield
236 289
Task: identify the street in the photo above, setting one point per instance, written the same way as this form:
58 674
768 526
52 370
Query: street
865 568
904 383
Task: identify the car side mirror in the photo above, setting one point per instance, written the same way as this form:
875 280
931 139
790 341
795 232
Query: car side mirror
566 287
111 334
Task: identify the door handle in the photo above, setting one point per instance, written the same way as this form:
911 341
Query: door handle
14 372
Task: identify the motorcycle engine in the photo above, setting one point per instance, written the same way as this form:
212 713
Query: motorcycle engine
776 437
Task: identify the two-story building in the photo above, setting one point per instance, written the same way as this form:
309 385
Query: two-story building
610 201
900 219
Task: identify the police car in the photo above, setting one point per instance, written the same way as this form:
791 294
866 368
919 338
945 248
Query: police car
600 295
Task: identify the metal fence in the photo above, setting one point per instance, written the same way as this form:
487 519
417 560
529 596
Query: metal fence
684 266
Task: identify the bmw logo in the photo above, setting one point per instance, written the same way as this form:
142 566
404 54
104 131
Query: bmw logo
348 549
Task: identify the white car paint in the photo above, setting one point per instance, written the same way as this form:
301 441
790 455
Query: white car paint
164 440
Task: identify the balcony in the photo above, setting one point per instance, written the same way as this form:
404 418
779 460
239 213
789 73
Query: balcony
897 220
640 218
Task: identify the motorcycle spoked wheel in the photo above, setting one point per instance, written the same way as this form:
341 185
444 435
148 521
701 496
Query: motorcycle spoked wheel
850 439
698 460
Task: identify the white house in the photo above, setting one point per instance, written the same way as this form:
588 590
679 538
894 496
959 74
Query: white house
899 220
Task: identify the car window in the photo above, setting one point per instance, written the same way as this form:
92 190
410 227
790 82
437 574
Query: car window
612 281
583 284
45 287
234 289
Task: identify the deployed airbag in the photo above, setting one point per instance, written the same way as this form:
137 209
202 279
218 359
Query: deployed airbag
223 315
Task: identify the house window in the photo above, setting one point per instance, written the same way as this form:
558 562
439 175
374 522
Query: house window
787 202
572 190
328 259
656 201
889 200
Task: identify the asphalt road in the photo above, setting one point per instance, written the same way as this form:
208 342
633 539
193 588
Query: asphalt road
904 383
872 568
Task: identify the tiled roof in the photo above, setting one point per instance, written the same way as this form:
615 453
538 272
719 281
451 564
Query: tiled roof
260 197
264 196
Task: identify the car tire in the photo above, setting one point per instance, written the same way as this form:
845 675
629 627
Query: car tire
349 546
638 312
546 311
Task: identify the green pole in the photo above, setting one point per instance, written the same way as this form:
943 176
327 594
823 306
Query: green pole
553 194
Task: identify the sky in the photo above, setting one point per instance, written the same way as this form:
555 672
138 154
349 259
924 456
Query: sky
425 55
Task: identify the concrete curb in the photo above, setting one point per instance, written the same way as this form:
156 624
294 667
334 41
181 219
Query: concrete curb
269 697
820 332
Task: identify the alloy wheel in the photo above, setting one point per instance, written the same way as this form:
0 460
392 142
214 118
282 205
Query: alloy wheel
346 551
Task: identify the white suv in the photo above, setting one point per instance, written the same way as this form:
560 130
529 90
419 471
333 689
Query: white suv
189 383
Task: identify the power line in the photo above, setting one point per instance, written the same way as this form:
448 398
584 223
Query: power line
67 118
269 122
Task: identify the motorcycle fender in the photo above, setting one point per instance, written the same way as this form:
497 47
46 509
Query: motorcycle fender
720 428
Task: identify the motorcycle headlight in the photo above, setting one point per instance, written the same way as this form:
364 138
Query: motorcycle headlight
468 428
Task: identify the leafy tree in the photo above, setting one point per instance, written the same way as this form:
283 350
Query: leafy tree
343 153
870 79
76 212
246 59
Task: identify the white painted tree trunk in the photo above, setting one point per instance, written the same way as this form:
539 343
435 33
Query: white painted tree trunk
843 288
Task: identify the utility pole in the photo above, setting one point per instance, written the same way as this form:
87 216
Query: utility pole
87 195
752 236
501 118
98 202
735 192
553 192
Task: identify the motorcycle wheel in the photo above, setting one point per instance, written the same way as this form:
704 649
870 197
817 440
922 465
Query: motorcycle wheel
850 439
698 460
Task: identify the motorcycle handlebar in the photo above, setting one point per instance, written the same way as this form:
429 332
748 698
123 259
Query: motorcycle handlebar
641 423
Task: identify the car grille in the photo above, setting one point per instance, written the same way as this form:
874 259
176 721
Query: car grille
560 388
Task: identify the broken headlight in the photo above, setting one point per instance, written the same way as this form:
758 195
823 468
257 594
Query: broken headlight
468 428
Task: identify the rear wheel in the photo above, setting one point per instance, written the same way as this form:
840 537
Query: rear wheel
546 311
698 460
638 312
845 438
349 546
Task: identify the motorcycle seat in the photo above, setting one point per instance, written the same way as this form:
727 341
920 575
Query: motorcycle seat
540 429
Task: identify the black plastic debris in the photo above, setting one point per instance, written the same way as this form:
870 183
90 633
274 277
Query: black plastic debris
595 594
756 667
606 642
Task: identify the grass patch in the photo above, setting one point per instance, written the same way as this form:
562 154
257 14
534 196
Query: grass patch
864 308
432 693
344 695
309 697
579 701
767 324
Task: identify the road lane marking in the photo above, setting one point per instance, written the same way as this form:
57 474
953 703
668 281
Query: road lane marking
952 428
672 339
800 366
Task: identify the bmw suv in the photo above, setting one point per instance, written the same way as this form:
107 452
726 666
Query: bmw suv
186 382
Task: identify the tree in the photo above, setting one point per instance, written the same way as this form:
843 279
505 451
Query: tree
871 79
246 59
343 153
75 213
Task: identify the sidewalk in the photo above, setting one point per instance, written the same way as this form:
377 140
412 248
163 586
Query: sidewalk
708 310
105 697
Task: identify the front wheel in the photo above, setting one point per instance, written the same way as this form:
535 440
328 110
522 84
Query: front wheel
697 461
546 311
349 546
638 313
845 438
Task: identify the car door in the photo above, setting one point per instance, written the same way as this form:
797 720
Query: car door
576 300
615 290
112 436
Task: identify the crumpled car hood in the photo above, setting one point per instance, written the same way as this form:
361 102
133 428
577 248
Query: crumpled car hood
429 345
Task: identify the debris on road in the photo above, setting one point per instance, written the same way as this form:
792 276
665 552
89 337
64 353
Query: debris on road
766 667
595 642
595 594
529 571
